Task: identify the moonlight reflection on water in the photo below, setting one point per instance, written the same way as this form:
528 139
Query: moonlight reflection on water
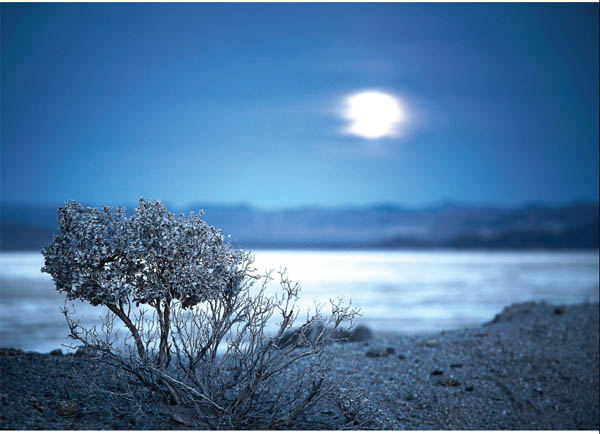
399 291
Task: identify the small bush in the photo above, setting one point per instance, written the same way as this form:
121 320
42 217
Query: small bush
196 315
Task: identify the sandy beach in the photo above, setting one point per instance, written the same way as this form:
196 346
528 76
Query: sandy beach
534 366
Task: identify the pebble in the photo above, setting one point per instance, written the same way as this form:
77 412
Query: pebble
67 408
430 343
378 352
538 348
449 382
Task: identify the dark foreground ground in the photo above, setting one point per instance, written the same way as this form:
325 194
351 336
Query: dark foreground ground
535 366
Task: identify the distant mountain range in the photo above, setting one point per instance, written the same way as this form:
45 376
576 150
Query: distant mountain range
450 225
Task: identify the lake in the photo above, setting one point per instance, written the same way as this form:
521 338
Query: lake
398 291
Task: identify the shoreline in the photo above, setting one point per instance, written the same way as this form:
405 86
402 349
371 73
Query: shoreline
534 366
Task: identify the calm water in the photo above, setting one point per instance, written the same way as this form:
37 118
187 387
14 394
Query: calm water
402 291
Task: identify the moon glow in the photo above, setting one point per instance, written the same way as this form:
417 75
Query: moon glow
373 115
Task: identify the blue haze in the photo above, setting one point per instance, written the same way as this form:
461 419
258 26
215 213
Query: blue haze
233 103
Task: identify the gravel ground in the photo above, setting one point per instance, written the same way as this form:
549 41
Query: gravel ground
535 366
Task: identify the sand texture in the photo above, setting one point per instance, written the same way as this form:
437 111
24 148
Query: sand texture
535 366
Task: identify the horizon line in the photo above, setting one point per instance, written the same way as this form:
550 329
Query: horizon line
365 205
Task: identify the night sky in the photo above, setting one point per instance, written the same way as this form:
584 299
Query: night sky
230 103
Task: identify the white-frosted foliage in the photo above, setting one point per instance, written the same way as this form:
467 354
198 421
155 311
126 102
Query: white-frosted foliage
105 257
195 296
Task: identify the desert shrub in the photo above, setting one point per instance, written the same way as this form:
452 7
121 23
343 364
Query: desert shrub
196 316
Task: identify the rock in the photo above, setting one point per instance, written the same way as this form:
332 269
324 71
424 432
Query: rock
12 352
67 408
469 388
360 333
456 365
307 335
299 337
357 334
380 352
87 351
513 310
429 344
341 336
401 356
372 353
437 372
449 382
56 352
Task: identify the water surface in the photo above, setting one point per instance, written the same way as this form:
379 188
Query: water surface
400 291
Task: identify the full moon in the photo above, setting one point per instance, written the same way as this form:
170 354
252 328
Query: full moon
373 114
